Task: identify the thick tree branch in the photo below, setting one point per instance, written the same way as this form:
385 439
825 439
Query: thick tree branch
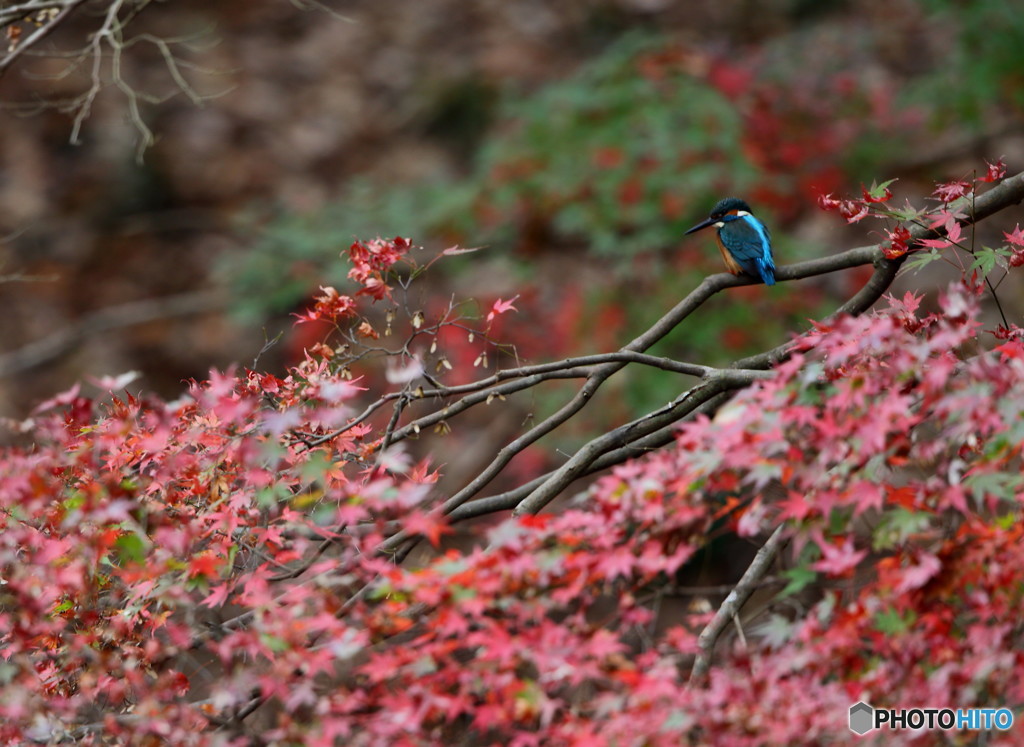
582 460
655 439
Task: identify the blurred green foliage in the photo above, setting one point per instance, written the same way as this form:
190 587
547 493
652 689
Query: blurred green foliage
982 71
613 155
295 253
607 159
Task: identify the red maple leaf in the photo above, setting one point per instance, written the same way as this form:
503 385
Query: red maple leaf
330 305
852 211
916 576
995 171
880 193
795 506
897 242
422 474
205 564
1013 349
949 191
1016 237
828 202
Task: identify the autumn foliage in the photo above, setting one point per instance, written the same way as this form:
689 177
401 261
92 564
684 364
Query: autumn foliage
217 569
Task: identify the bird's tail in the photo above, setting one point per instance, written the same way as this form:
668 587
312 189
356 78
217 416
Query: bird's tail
766 271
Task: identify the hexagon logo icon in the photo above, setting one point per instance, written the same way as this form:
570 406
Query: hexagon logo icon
861 718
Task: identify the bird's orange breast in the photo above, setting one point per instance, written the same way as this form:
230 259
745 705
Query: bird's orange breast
730 264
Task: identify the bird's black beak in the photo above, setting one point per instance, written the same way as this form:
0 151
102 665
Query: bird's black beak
702 224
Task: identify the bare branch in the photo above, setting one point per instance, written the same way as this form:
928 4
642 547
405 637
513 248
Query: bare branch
18 12
582 460
650 432
484 390
116 317
172 63
107 43
752 579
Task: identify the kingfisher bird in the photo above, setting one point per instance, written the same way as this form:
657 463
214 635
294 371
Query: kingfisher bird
744 241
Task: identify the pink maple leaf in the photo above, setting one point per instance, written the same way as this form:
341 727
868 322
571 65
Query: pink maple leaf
218 596
839 559
916 576
430 525
500 307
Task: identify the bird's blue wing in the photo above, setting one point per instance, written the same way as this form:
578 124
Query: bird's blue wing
750 244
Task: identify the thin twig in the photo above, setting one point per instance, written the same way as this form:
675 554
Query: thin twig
486 389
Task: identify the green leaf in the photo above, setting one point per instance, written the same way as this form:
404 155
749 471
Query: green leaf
907 213
530 693
73 501
677 722
799 578
777 631
1007 521
462 593
315 467
271 495
892 622
897 525
230 564
839 520
131 547
920 259
382 590
1002 485
985 260
274 643
423 666
877 191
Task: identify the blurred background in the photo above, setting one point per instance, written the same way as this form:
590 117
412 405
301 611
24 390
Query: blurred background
573 142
